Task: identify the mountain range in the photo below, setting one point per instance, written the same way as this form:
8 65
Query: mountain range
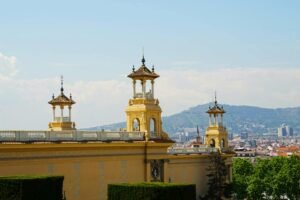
237 119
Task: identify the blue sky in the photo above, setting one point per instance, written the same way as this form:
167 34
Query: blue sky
95 43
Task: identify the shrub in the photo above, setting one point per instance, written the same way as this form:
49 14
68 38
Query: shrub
151 191
31 188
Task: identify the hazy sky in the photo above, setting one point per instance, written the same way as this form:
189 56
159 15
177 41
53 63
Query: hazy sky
249 51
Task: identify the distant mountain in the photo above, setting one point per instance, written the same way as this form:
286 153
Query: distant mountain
237 119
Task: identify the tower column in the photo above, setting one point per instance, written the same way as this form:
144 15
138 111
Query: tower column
61 113
152 88
209 119
70 113
221 119
144 88
53 107
134 88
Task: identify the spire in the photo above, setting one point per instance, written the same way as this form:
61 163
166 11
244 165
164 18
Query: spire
62 84
152 68
198 132
133 68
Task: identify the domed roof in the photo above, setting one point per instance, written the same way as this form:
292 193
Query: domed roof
143 72
216 108
62 99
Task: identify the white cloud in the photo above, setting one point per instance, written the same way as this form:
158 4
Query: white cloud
7 66
249 86
24 102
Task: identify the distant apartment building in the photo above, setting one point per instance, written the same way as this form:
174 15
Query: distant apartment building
252 143
244 135
285 131
230 136
182 137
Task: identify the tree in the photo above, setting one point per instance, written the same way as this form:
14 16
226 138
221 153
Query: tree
217 173
255 189
275 178
242 170
280 177
287 179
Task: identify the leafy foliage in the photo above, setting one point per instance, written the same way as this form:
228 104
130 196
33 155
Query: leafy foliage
151 191
274 178
31 187
242 169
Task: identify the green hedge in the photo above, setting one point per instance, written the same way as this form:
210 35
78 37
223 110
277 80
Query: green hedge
31 188
151 191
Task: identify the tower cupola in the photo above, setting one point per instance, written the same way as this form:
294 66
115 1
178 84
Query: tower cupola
216 134
144 76
60 121
216 113
143 112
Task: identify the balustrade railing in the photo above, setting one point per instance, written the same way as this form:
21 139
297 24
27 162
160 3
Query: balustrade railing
62 119
191 150
76 136
147 95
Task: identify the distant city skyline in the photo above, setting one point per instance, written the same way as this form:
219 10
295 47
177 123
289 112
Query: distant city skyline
247 51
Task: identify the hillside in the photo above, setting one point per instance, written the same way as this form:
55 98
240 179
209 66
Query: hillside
237 119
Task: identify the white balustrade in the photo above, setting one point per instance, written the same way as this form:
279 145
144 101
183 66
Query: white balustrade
62 119
52 136
190 150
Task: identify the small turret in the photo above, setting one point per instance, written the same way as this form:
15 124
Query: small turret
216 134
61 101
144 112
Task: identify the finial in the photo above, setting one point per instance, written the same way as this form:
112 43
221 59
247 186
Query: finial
53 96
143 60
216 97
152 68
62 84
198 132
133 68
71 96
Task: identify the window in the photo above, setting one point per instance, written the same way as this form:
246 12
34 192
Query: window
136 124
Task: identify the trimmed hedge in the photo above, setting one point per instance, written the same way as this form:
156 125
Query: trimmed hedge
31 188
151 191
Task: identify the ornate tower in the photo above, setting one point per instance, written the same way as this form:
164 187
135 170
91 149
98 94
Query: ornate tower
216 134
143 112
61 122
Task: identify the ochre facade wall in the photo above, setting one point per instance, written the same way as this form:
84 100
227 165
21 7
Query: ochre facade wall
88 168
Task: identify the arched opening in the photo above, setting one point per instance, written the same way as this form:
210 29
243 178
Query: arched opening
136 124
212 143
222 143
153 130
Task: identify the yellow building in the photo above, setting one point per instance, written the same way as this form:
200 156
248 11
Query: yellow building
216 134
90 160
